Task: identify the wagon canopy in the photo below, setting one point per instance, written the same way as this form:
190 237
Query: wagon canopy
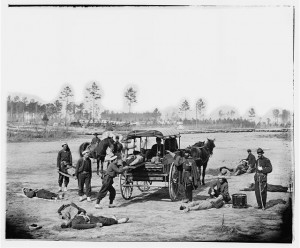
159 132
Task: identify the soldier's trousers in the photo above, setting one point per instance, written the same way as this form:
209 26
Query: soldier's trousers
84 179
107 183
189 191
261 193
62 178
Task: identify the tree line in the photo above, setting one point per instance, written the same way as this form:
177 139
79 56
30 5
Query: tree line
64 110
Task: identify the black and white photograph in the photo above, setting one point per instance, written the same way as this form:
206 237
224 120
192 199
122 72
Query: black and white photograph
149 121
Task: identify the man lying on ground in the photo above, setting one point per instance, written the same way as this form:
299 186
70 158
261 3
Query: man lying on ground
41 193
203 204
270 188
225 171
77 218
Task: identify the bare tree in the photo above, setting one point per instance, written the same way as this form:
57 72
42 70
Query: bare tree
200 106
65 96
268 121
185 106
24 101
130 95
276 114
221 113
251 113
232 112
285 116
156 115
93 95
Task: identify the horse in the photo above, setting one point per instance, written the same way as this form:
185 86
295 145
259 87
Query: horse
98 150
201 152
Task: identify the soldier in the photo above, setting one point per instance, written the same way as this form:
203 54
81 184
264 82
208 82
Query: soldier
83 173
263 166
118 147
250 161
77 218
107 183
95 140
64 159
220 187
190 175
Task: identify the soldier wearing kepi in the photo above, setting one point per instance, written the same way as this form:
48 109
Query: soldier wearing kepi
95 139
112 171
118 147
263 166
64 159
83 173
251 161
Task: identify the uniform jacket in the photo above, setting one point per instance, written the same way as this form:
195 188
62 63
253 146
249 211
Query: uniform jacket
65 156
190 171
222 188
69 211
83 166
113 170
118 147
266 165
155 149
251 160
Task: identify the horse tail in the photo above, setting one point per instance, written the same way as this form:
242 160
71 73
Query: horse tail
82 147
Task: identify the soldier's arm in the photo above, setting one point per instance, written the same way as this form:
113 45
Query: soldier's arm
58 159
62 207
80 210
268 167
118 169
71 158
77 167
225 192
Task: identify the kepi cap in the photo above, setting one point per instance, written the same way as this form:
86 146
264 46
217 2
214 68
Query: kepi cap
259 150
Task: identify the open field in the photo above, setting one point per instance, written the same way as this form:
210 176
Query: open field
153 217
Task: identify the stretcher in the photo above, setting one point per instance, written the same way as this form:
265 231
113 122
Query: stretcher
71 173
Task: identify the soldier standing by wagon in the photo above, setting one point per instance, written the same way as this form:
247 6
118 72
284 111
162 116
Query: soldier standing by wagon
64 159
118 147
263 167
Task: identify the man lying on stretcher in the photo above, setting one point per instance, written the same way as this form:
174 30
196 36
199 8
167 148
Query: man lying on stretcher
42 193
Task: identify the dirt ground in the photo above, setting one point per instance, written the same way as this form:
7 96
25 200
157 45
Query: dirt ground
153 217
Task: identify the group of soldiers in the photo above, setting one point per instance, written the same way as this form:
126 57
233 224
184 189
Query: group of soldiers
218 191
83 173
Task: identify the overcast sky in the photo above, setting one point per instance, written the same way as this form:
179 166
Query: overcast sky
229 56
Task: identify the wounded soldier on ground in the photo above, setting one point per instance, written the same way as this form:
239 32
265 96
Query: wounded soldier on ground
42 193
77 218
247 165
219 195
203 204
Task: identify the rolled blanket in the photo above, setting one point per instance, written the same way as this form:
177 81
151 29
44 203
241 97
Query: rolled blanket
270 188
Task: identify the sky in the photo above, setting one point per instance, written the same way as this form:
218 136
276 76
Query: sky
236 56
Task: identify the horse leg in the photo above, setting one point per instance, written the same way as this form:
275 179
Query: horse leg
98 163
203 174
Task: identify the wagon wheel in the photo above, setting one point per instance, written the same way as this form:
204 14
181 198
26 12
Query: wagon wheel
126 186
145 186
173 182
